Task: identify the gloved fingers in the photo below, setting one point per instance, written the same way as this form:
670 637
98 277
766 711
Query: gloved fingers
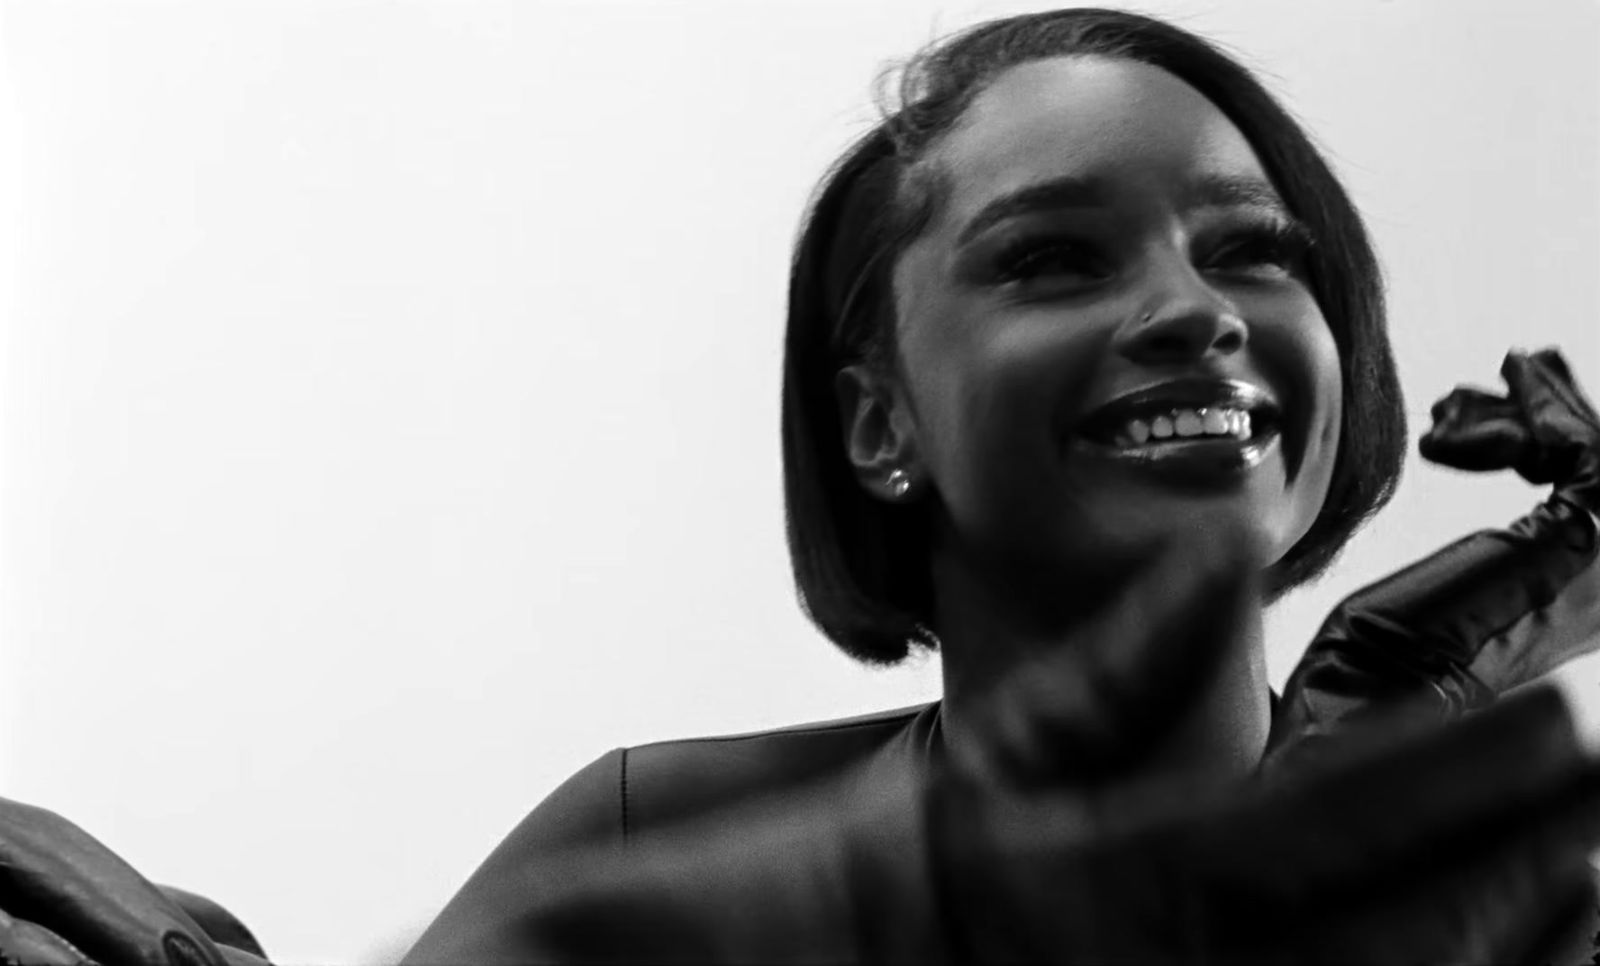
1510 905
239 957
1514 900
1452 851
56 875
179 947
1563 423
1475 430
1511 919
1498 807
1543 384
1570 929
1497 780
224 928
24 943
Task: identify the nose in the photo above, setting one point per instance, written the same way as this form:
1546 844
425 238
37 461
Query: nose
1183 336
1183 327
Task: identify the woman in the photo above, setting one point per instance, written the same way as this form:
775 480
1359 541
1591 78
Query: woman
1006 297
1086 356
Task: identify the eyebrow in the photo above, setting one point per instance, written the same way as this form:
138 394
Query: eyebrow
1209 191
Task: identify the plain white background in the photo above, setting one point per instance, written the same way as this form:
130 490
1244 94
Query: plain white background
390 390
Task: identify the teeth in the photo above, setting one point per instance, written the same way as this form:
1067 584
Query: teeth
1185 423
1188 423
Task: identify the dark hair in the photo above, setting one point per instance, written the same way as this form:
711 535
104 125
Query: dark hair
861 565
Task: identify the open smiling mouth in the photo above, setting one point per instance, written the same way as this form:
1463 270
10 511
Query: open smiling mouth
1191 426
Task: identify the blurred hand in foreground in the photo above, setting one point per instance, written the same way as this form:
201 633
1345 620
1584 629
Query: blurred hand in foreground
1458 844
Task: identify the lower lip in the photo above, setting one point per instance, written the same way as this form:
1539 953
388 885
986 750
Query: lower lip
1199 459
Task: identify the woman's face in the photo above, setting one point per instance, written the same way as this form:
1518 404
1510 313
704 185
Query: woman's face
1109 264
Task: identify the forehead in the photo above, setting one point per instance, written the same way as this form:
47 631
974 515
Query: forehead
1139 129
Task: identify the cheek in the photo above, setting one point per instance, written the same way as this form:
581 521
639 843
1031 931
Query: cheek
1330 397
1311 351
990 395
998 389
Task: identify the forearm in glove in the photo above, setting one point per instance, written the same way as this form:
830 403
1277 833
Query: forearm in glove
1491 611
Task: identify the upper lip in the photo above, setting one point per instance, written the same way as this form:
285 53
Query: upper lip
1195 392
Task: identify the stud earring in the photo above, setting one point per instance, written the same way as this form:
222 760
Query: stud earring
899 482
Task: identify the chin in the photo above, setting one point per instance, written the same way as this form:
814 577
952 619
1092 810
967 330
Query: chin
1132 531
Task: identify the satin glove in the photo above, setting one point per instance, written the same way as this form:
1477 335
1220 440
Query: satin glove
65 899
1489 612
1544 428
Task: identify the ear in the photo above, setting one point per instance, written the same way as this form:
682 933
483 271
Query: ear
879 433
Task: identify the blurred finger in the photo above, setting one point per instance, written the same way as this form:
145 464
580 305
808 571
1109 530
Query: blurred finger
1573 932
1126 678
24 943
1512 777
1308 738
1515 900
1457 840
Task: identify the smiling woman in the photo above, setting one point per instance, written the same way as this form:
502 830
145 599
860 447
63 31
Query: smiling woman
1086 361
1086 343
1051 199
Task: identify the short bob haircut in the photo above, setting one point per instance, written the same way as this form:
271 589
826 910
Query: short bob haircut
861 565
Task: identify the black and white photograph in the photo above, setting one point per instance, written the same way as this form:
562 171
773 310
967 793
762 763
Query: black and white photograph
799 481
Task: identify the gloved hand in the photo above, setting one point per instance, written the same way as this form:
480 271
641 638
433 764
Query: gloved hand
1443 848
1494 610
1467 844
1544 428
65 899
1395 850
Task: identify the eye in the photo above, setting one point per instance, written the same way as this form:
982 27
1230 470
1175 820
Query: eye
1270 250
1049 258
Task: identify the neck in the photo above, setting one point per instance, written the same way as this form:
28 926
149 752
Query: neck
1217 741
